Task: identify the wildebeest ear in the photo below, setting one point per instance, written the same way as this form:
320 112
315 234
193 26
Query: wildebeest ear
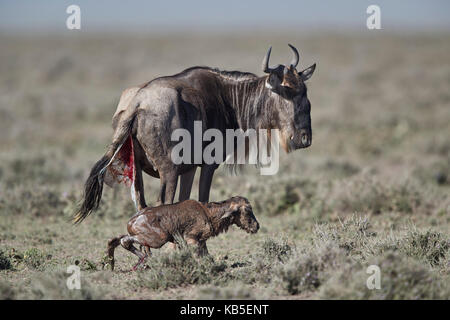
230 211
227 215
307 73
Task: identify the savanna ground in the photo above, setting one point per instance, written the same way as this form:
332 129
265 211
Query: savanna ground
372 189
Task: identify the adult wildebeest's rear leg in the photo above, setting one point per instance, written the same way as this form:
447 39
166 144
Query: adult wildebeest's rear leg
139 188
206 176
142 163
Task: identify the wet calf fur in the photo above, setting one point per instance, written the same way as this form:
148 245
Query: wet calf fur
196 222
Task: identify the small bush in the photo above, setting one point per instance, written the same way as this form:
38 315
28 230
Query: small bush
5 261
401 278
181 268
40 169
6 291
37 201
287 195
352 234
340 169
236 291
34 258
305 271
374 197
54 287
276 250
430 246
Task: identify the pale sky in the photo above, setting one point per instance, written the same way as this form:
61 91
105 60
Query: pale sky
210 15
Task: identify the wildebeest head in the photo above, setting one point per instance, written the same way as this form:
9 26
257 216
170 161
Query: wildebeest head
292 110
242 213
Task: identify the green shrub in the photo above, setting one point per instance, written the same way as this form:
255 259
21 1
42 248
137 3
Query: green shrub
5 261
401 278
371 196
305 271
35 258
430 246
54 287
39 201
231 291
352 234
276 250
6 291
181 268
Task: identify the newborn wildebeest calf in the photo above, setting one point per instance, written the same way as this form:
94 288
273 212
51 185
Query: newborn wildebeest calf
194 221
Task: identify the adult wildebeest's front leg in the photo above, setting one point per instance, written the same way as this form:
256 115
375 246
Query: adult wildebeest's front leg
186 180
206 176
169 181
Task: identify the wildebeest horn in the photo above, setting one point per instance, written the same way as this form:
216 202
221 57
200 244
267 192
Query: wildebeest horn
296 57
265 64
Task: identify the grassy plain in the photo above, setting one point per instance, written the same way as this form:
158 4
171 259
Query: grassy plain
374 187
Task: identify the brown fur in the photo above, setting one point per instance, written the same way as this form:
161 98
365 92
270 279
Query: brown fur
192 220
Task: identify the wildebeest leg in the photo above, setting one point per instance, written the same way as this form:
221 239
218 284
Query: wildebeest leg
148 253
200 246
127 243
139 188
206 176
202 249
168 188
172 245
112 244
186 180
192 242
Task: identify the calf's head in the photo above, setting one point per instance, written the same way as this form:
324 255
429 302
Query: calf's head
291 107
242 214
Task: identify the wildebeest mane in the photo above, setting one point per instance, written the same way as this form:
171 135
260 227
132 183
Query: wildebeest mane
232 75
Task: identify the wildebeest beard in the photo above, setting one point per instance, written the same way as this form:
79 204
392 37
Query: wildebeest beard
249 105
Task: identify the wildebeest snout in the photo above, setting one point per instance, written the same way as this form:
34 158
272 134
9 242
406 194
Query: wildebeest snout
251 225
255 228
301 139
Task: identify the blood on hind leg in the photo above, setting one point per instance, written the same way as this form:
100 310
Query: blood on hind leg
142 260
127 243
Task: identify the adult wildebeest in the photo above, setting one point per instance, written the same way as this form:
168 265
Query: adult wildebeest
147 115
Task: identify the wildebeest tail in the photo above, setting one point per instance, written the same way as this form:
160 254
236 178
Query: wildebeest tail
93 186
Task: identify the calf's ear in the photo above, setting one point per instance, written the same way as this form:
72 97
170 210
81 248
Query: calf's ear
307 73
227 214
230 211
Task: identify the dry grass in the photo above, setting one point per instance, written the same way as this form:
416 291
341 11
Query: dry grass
372 189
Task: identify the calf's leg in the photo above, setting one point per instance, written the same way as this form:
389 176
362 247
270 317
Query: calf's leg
127 243
112 245
202 249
